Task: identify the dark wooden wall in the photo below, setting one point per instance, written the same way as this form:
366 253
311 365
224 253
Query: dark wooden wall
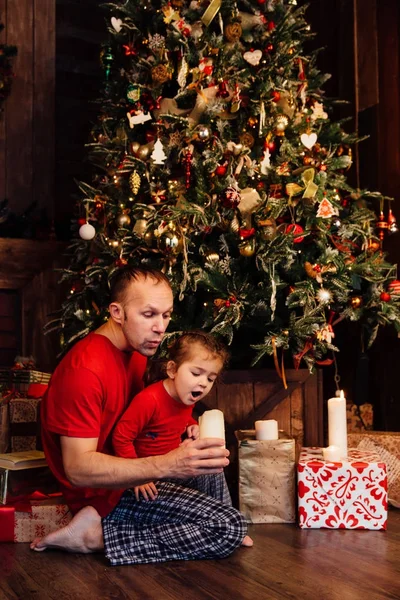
27 127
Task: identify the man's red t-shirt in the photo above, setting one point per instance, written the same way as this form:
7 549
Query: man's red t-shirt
152 424
88 392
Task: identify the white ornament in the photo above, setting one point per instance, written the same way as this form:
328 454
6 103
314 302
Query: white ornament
308 139
138 119
265 163
158 155
116 23
324 296
318 111
183 71
87 231
253 57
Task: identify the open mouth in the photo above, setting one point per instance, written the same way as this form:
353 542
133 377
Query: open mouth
196 394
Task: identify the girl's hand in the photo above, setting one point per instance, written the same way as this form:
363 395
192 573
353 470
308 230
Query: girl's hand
148 491
193 432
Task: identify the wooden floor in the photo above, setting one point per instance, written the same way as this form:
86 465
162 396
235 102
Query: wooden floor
285 562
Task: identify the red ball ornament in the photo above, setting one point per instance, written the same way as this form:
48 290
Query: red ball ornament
269 48
81 221
394 286
271 25
220 170
385 297
261 2
275 96
227 303
295 230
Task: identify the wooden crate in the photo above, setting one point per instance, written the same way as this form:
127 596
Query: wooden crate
247 396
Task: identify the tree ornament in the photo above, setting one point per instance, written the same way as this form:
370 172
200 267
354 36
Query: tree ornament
140 227
393 228
138 118
123 220
324 296
275 95
295 230
211 257
381 226
107 59
87 231
203 133
233 31
188 165
325 209
268 229
373 246
385 297
121 262
308 139
160 74
281 123
234 225
248 247
356 301
134 182
249 201
170 240
133 92
220 171
158 155
223 91
253 57
116 24
394 287
247 139
134 147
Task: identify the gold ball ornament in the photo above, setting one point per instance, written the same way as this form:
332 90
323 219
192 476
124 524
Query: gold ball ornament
356 301
212 258
134 182
247 248
247 139
134 147
140 227
373 246
123 220
145 151
170 241
233 31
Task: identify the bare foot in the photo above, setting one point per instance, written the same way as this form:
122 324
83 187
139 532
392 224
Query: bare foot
83 534
247 541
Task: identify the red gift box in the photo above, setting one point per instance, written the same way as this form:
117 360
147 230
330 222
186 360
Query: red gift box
350 494
24 522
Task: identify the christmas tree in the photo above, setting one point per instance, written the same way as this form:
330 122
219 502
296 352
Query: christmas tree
217 161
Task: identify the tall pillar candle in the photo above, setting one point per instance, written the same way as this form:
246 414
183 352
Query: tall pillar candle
267 430
337 423
212 425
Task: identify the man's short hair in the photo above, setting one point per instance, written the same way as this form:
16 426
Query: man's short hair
126 275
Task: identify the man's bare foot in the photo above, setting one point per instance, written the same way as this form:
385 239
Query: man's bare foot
247 541
83 534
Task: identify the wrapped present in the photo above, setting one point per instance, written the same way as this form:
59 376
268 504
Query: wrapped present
24 424
266 478
24 522
386 445
350 494
29 382
359 418
4 424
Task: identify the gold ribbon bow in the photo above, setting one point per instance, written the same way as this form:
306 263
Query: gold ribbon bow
310 188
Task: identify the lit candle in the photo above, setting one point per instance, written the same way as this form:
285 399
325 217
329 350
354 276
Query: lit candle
211 424
332 453
267 430
337 423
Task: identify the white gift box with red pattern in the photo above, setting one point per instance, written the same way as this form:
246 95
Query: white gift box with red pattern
350 494
36 519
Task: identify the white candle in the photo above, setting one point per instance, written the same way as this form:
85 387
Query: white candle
211 424
267 430
332 453
337 423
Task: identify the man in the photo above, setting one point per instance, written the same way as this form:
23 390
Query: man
88 393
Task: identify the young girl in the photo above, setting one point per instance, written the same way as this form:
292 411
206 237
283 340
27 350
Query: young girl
157 417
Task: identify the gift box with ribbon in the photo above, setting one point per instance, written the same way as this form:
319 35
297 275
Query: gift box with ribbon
347 494
26 520
266 478
24 428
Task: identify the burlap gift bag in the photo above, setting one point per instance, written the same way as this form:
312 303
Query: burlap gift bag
266 478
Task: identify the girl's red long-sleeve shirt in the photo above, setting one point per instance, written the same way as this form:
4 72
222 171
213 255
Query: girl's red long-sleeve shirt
152 424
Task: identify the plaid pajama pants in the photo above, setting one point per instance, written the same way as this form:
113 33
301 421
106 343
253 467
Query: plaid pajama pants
180 524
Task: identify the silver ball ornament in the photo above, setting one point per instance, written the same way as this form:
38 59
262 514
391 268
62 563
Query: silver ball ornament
87 231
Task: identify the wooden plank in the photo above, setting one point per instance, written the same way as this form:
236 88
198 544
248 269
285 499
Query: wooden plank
313 410
19 107
297 424
43 105
282 414
3 40
263 375
366 54
24 259
267 406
